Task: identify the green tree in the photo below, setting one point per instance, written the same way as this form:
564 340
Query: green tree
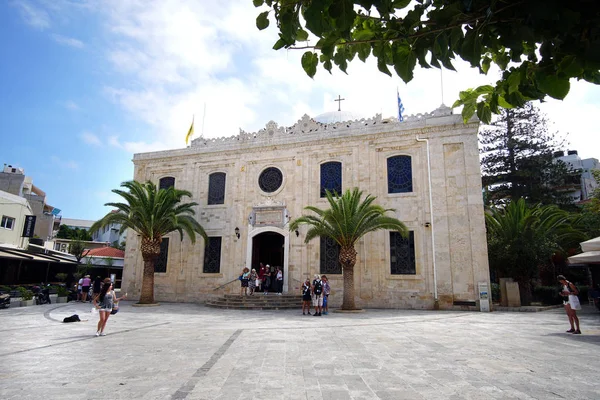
346 221
77 248
517 160
152 214
539 45
66 232
521 238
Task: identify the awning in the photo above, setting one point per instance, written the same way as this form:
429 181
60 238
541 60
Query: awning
589 257
19 254
591 245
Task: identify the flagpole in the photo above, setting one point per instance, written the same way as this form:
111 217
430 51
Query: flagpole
442 84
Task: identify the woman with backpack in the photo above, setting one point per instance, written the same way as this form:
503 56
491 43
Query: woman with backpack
571 303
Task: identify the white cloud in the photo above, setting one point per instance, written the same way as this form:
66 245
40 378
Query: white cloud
68 164
90 138
71 105
67 41
171 58
32 15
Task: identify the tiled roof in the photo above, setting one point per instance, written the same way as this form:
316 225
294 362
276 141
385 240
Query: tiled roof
105 252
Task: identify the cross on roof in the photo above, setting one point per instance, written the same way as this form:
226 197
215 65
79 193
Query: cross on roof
339 100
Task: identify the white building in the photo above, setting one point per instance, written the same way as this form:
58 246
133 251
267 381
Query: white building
13 211
581 190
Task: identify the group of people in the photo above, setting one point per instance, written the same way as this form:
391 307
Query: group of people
265 280
316 292
87 289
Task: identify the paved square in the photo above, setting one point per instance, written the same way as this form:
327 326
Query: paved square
188 351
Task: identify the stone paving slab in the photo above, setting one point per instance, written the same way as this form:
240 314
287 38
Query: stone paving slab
188 351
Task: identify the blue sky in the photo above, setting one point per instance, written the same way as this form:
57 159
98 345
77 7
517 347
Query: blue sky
86 84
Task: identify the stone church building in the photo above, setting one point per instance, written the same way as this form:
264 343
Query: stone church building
250 186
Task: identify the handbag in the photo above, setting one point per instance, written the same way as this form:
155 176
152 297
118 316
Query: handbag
239 278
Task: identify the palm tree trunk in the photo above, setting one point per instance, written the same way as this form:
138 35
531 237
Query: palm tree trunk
150 249
147 295
348 260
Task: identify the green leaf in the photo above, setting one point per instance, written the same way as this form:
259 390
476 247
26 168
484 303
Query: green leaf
262 21
483 112
400 4
258 3
301 35
279 44
382 66
363 34
552 85
485 64
309 63
364 51
340 59
313 15
468 111
570 67
327 65
503 103
405 61
514 79
342 11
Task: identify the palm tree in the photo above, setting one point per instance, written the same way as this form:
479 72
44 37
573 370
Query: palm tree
346 222
521 238
152 214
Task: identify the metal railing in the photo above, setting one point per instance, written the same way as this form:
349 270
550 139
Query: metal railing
225 284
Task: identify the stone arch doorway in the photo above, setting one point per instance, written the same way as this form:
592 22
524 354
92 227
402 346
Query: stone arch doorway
268 248
269 245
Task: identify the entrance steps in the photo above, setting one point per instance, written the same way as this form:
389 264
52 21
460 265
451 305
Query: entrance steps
258 301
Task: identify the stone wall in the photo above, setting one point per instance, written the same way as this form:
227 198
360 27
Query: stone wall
298 151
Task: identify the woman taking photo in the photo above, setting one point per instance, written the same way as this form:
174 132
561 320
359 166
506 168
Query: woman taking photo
571 303
104 303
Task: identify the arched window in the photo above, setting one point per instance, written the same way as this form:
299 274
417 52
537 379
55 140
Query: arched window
166 182
331 177
216 188
399 170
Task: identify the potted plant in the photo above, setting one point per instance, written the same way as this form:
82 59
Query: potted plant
63 294
26 296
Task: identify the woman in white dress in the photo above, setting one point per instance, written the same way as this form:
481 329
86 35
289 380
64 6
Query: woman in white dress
571 303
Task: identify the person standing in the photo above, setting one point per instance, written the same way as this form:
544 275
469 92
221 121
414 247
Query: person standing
244 278
318 295
79 293
326 291
306 297
267 279
104 302
97 286
571 303
262 271
85 287
279 281
252 281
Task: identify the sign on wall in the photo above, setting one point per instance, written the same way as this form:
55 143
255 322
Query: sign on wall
29 226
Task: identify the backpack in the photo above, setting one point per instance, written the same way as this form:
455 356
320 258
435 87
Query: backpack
318 287
72 318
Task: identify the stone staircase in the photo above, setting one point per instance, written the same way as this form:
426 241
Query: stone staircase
256 302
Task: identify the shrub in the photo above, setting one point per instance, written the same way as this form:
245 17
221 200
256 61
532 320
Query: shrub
25 294
5 289
61 276
495 292
62 291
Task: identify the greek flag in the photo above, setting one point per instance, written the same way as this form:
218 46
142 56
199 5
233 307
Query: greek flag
400 108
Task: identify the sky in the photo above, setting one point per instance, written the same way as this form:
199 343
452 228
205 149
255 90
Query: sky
86 84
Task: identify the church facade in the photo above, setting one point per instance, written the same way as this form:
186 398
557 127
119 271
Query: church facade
250 186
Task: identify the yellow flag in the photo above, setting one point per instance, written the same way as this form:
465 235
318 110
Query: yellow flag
190 132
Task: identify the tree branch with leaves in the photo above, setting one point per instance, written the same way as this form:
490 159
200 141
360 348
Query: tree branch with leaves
539 45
